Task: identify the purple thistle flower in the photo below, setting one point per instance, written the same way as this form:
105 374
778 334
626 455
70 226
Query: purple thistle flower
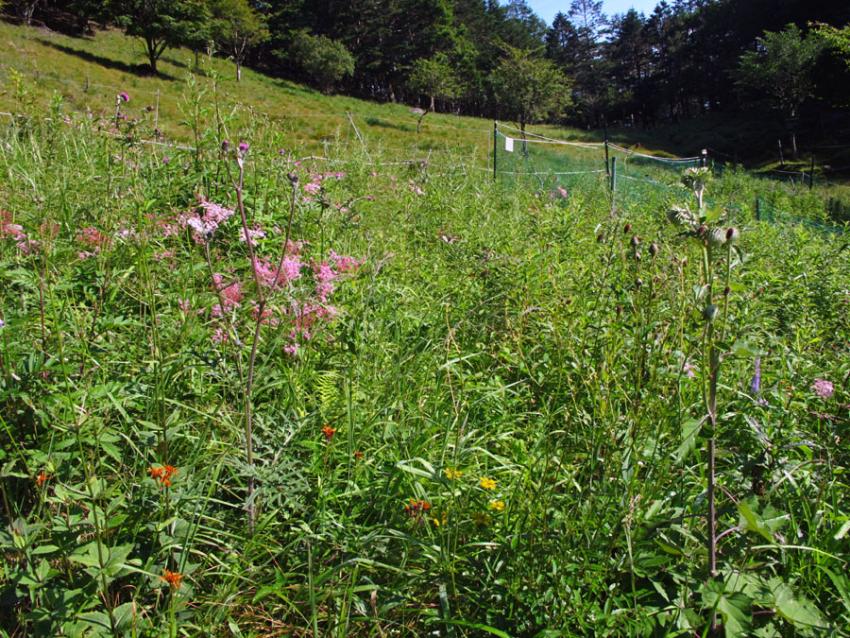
225 145
243 147
166 160
755 384
125 97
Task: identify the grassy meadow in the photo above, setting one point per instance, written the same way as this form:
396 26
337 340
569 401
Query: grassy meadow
278 380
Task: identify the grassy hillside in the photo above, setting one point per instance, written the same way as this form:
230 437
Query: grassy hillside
88 73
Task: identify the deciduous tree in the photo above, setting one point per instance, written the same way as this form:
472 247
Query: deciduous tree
435 78
530 89
779 71
161 23
236 27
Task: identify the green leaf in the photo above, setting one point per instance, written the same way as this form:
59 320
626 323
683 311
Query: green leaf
842 532
749 521
798 610
734 608
841 583
690 432
124 615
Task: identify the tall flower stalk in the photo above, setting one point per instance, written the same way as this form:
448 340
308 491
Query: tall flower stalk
262 301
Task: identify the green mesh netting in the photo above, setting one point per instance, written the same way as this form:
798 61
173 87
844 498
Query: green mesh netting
547 165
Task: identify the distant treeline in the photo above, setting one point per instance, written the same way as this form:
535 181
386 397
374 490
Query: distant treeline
685 58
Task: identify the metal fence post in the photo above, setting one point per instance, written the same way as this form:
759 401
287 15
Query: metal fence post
495 146
613 174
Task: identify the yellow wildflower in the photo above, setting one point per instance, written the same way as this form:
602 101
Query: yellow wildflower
452 474
441 520
487 483
497 505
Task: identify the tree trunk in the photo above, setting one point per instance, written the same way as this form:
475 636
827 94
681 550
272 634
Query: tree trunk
419 121
151 47
794 143
238 71
432 107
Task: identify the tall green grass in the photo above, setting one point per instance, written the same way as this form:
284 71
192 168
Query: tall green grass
500 433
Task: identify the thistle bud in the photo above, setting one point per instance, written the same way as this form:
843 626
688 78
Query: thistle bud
637 255
732 235
710 312
635 240
600 238
702 230
638 282
717 238
726 291
653 249
627 228
293 178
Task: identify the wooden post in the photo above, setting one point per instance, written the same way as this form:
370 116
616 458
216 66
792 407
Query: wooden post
495 146
703 158
812 173
781 157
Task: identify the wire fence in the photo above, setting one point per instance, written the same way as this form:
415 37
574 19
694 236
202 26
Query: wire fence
639 180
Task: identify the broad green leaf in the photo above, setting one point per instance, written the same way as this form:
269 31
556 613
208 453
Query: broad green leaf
749 521
734 608
798 610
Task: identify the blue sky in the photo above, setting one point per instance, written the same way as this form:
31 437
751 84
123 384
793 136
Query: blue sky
547 9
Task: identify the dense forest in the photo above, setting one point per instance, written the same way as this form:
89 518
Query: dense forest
499 59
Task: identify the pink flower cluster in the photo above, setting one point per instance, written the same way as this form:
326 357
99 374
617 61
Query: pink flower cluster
315 184
93 239
278 275
16 233
345 263
205 222
254 234
231 295
823 388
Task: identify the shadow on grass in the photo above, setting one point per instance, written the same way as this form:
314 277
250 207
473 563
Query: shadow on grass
376 121
134 69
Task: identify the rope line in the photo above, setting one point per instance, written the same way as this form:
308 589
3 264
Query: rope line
542 139
670 160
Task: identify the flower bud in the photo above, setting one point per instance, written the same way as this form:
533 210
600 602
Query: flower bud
653 249
732 235
635 240
627 228
717 238
637 255
726 291
293 178
638 282
600 238
710 312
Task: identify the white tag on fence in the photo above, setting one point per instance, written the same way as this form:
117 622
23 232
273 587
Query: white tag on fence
509 144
